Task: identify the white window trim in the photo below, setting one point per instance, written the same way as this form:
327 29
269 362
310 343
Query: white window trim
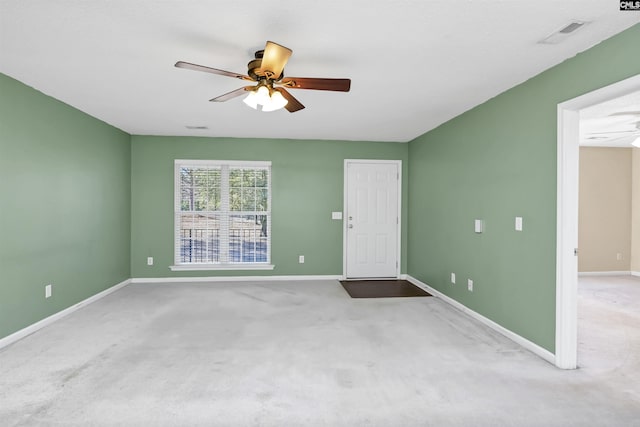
209 267
209 163
227 266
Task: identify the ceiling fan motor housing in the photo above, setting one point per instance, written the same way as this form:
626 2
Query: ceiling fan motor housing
255 70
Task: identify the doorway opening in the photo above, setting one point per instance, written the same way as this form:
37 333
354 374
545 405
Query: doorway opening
609 235
567 215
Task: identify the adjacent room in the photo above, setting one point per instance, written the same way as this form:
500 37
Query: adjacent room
319 213
609 233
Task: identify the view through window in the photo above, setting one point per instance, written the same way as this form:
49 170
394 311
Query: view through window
223 213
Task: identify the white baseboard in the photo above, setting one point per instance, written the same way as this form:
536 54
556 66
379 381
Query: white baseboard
211 279
534 348
635 273
604 273
10 339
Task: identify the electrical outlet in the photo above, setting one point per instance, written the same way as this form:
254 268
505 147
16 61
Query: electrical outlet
149 260
453 277
47 291
619 256
301 259
470 285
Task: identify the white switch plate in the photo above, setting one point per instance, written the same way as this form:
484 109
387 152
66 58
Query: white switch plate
301 259
47 291
336 215
518 223
478 226
453 277
470 285
150 260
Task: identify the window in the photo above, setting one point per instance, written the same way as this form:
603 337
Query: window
222 215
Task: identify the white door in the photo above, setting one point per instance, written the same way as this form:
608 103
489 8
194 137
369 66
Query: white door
372 218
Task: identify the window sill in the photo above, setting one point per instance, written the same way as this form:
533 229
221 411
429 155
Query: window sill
214 267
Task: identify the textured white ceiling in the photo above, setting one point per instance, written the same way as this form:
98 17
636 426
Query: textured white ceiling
414 64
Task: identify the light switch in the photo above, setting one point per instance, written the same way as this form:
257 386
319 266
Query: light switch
518 223
336 215
478 226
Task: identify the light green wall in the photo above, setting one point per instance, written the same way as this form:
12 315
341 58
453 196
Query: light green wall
84 204
64 205
307 185
495 162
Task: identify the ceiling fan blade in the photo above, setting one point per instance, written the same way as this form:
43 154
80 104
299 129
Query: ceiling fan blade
338 85
196 67
616 140
293 104
612 132
274 59
626 113
233 94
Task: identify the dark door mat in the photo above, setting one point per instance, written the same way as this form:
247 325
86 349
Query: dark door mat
382 289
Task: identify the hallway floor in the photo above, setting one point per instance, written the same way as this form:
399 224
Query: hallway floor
304 354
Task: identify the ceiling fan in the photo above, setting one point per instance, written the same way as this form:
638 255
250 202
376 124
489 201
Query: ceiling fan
271 91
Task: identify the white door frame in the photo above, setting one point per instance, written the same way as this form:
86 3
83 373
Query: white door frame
398 163
567 216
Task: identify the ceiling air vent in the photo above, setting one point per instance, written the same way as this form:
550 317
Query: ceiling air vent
571 27
197 127
561 34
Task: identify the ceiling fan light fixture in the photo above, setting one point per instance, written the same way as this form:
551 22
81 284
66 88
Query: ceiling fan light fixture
276 102
252 100
267 70
267 98
262 96
259 96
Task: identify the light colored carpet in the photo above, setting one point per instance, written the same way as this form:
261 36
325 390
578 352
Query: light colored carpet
609 326
292 354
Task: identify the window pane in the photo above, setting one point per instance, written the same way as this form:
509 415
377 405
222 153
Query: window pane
261 178
235 177
199 238
261 241
186 189
214 178
213 189
235 199
200 193
213 199
249 178
262 200
247 242
248 199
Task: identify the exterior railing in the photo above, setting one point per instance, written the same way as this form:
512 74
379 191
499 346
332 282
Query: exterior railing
203 245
